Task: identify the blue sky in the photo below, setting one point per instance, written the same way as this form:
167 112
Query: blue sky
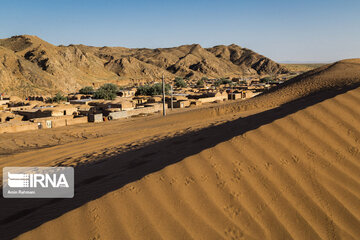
316 31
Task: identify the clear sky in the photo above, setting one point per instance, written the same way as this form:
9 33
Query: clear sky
303 30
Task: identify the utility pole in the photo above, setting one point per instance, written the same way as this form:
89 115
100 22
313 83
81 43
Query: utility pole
163 87
172 102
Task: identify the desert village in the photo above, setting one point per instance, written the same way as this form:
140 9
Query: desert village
180 120
38 112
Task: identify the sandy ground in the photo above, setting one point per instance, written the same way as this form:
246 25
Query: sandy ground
138 126
284 165
294 178
86 143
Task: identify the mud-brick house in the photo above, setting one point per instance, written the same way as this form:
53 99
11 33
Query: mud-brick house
175 98
148 108
213 96
235 95
195 103
80 101
62 110
125 105
126 93
154 99
122 105
95 117
19 108
3 107
51 122
32 113
6 116
140 100
4 102
249 94
180 104
22 105
242 94
85 110
17 126
218 95
117 115
49 111
78 96
58 121
110 110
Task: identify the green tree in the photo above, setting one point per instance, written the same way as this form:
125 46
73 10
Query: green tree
217 83
58 98
243 82
142 90
222 81
110 87
225 81
151 90
107 91
266 80
200 83
157 88
179 82
86 90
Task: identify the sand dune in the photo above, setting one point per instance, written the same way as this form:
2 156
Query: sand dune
295 178
281 166
301 67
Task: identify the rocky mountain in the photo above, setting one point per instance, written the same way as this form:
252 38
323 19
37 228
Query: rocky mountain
30 65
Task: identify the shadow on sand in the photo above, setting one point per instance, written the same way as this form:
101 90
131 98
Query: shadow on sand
108 174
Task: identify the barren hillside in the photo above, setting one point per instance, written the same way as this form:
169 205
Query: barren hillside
30 65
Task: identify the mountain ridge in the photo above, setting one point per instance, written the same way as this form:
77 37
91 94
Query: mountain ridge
30 65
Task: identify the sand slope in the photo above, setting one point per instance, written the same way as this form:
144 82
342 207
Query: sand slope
295 178
283 165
